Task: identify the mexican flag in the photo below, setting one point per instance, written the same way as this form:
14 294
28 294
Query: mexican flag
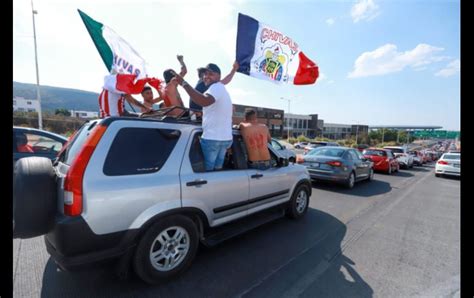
119 57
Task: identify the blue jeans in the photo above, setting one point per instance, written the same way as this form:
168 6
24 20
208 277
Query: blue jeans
214 153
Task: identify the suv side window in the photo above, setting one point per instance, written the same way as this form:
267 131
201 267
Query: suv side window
389 154
276 145
236 160
140 151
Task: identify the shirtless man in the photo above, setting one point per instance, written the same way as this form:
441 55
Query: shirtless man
171 95
148 100
256 137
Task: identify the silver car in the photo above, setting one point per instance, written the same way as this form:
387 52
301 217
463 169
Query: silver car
283 151
338 164
136 190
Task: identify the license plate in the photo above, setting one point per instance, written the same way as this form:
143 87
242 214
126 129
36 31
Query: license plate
315 165
457 166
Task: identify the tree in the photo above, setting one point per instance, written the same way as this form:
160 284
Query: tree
63 112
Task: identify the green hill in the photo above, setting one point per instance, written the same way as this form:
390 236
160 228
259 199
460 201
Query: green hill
54 97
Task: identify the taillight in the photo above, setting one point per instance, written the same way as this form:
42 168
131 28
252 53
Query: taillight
442 162
334 163
73 179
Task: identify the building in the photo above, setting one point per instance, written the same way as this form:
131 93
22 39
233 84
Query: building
306 125
84 114
21 104
337 131
342 131
273 118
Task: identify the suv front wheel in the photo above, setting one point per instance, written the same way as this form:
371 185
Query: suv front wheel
166 249
299 202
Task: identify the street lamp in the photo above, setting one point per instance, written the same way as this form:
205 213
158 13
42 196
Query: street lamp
287 119
38 97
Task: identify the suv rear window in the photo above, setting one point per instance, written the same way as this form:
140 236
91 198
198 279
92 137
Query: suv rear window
395 150
375 152
140 150
75 144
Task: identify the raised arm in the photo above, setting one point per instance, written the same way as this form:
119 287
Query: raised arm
184 70
135 102
203 100
226 80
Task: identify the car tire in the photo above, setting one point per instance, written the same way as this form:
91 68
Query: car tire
34 197
437 175
292 159
155 272
350 181
299 202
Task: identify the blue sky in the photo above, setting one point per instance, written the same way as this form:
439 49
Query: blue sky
381 62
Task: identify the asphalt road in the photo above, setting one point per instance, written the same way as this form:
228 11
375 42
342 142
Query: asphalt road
396 236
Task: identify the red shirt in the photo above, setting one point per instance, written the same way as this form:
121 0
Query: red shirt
25 148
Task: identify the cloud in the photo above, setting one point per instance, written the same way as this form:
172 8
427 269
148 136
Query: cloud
330 21
364 10
386 59
451 69
322 76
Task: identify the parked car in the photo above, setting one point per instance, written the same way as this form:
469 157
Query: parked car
300 145
383 159
449 164
136 189
283 151
34 142
313 145
401 153
338 164
417 157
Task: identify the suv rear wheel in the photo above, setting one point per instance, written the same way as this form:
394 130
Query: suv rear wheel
299 202
166 249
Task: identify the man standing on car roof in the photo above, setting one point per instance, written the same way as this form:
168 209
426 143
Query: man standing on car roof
217 116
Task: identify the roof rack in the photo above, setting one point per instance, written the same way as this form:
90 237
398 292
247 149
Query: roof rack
185 116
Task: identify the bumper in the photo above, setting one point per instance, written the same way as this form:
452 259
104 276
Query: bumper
448 170
73 245
328 176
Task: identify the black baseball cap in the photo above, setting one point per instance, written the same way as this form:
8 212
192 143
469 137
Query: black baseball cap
212 67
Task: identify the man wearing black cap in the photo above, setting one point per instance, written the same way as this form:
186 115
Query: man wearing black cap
202 87
217 116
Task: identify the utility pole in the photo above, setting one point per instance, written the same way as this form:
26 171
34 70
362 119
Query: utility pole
287 119
38 96
383 136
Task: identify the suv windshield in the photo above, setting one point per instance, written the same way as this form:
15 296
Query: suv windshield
334 152
395 150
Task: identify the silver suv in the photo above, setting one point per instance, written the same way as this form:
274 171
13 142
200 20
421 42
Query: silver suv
135 189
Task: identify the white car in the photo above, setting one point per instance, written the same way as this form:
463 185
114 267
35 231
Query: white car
449 164
401 153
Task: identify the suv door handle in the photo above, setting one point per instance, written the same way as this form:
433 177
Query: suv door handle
255 176
196 182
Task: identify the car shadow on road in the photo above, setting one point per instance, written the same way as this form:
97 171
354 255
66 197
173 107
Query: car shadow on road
404 173
362 188
282 258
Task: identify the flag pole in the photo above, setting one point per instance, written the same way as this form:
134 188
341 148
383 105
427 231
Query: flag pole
38 96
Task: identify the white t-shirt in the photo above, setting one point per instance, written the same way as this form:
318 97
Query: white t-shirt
217 117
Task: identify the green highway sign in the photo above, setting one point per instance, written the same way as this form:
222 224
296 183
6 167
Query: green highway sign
440 134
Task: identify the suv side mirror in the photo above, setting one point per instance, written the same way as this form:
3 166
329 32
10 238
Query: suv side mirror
283 147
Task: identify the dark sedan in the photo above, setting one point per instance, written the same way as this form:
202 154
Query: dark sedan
34 142
338 164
